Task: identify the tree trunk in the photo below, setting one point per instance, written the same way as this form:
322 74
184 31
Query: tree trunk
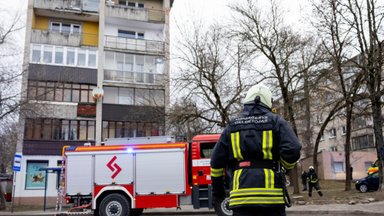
378 131
2 199
347 147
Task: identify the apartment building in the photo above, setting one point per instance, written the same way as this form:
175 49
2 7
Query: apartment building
331 159
95 69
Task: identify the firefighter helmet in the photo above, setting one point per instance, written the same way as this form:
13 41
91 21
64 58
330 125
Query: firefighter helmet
311 168
261 92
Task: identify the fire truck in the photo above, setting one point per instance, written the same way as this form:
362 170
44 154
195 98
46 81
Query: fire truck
126 176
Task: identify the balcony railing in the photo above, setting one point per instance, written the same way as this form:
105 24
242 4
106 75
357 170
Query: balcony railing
133 77
54 37
68 5
149 46
140 14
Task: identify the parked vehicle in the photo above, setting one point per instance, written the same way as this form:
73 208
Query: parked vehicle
368 183
126 176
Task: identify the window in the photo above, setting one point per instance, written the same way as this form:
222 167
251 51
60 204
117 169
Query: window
92 59
59 129
333 148
51 91
206 150
126 34
141 97
55 26
34 177
47 54
130 34
81 56
343 130
70 56
125 96
36 53
66 27
332 133
362 142
58 55
338 167
111 95
131 4
113 129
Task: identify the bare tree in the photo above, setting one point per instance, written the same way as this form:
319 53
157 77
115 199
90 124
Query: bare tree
183 117
366 20
212 74
10 76
267 34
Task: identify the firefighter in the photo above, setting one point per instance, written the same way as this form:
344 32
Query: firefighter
313 181
304 180
251 150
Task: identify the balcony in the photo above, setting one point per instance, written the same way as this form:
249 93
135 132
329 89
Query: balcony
54 37
138 14
137 45
133 77
86 10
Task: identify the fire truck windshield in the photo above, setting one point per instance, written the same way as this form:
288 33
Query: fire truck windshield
206 149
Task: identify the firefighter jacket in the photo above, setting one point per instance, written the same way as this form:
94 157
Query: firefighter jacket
248 150
312 177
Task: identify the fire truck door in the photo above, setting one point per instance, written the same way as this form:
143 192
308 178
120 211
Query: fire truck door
117 168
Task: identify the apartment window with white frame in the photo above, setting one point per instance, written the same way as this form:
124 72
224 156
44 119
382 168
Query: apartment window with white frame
130 34
63 56
332 133
131 4
133 63
69 28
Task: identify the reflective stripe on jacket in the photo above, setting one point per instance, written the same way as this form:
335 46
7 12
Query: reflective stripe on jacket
258 135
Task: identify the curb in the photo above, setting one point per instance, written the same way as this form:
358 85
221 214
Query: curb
333 212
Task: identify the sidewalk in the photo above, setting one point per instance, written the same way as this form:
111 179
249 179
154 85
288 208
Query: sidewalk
374 208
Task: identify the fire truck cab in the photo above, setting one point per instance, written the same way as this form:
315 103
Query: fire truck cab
125 176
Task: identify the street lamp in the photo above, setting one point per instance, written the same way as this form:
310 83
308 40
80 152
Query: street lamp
97 93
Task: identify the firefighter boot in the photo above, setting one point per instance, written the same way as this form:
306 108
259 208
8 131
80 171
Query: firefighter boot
320 193
310 194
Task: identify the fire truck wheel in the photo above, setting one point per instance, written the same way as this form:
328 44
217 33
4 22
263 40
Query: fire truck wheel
114 205
222 209
137 212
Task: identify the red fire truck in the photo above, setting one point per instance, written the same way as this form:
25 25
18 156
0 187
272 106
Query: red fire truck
125 176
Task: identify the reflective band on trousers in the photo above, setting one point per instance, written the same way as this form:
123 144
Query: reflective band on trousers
269 178
217 172
256 200
235 140
267 145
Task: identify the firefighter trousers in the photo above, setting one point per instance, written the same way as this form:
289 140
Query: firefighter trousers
259 211
316 186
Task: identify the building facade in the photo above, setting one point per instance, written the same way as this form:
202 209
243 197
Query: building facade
331 160
120 48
